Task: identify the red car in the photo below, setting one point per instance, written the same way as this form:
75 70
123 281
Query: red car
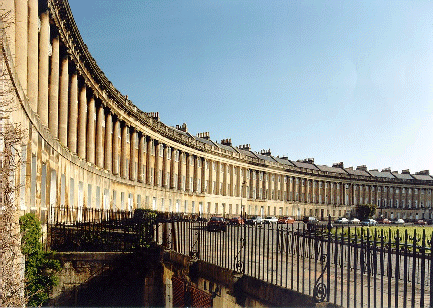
216 223
286 220
421 222
237 221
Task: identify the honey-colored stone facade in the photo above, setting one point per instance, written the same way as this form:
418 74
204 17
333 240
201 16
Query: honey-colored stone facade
89 146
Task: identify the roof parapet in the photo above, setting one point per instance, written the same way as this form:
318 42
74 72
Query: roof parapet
363 168
306 160
204 135
227 141
153 115
338 165
182 127
245 147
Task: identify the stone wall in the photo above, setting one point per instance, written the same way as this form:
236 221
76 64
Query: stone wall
107 279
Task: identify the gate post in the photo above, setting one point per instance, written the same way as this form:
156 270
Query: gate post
168 293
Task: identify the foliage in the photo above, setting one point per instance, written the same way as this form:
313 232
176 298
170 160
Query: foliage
40 266
364 211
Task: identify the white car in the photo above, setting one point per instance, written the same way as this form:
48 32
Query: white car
369 222
399 221
270 219
355 221
342 220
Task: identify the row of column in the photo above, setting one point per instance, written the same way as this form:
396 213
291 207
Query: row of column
83 123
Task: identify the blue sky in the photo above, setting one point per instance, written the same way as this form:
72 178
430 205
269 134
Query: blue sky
338 81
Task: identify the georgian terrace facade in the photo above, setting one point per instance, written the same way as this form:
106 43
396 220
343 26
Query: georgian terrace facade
87 145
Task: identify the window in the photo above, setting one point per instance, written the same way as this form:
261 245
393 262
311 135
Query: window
169 153
161 151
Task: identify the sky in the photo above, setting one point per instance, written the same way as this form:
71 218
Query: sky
337 81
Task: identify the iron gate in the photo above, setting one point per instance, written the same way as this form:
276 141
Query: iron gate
187 295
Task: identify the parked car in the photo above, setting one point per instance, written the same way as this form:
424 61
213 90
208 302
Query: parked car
369 222
255 220
286 220
421 222
217 223
383 221
310 219
237 221
270 220
398 221
342 220
354 221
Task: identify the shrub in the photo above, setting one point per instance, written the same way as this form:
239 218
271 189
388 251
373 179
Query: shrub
40 267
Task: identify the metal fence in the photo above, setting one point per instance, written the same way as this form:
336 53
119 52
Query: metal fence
89 229
348 266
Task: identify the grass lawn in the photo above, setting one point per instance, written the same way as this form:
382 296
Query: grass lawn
403 232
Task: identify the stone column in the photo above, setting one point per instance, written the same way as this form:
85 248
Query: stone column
231 168
218 178
63 102
156 164
140 158
116 147
108 148
239 181
53 118
180 184
73 114
100 118
124 154
165 168
21 41
188 172
44 45
172 169
148 168
90 143
195 176
203 175
32 56
133 155
82 121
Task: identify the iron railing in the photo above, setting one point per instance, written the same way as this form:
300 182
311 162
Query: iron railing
347 266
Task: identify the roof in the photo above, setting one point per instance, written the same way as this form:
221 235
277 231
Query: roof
356 172
331 169
422 177
403 176
247 153
381 174
304 165
283 161
266 157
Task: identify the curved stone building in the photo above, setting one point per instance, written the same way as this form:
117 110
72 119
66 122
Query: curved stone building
87 145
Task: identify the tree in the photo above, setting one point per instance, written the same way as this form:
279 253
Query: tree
364 211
